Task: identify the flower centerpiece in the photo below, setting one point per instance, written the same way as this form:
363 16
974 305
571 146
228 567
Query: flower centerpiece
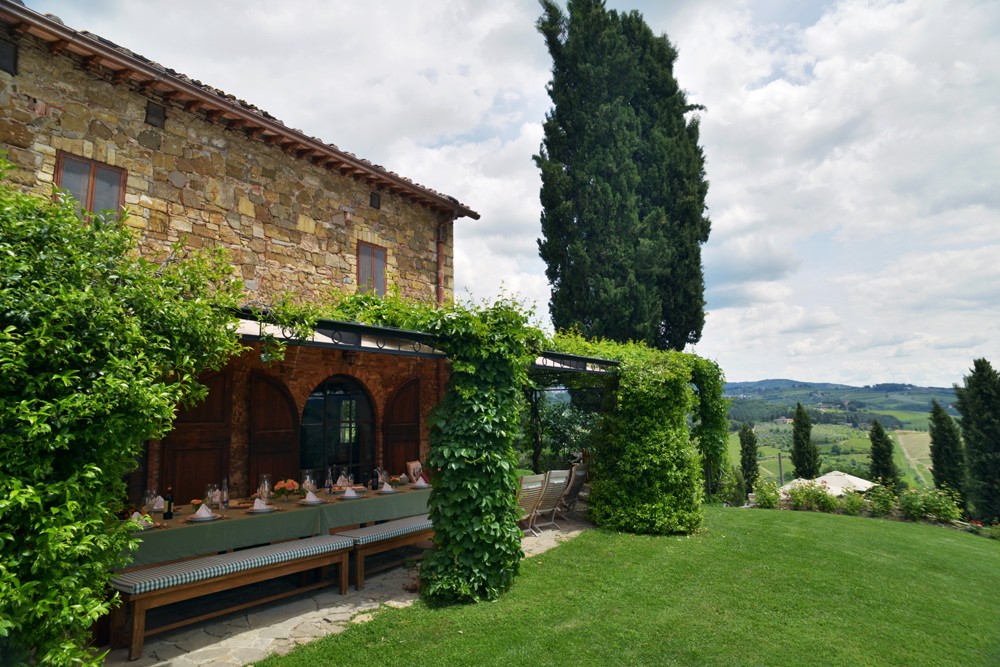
285 488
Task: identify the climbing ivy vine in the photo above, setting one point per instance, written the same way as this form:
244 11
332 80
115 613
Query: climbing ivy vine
473 504
667 416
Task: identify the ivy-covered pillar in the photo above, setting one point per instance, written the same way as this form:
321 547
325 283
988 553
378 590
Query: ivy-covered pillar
472 461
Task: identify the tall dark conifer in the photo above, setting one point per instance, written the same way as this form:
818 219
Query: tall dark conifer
623 181
748 456
947 452
805 455
979 403
882 466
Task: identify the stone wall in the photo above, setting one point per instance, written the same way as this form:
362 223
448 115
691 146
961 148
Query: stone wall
288 224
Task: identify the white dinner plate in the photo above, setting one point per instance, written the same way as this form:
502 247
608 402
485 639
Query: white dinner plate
386 492
310 502
267 510
211 517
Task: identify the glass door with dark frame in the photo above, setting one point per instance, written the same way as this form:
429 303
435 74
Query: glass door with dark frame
337 429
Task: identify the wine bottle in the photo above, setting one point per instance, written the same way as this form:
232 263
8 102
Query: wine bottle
224 493
168 504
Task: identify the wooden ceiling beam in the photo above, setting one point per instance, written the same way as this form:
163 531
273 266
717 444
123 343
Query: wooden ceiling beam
214 115
57 47
254 132
92 63
122 75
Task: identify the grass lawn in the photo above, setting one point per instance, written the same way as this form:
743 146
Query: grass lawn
755 587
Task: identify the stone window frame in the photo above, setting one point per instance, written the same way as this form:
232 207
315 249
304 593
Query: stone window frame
369 253
62 157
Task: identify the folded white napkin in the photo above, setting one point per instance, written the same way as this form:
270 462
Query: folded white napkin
203 512
259 504
386 488
342 481
420 482
158 504
311 497
349 493
403 479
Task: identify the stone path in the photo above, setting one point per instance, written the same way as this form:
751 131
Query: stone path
244 637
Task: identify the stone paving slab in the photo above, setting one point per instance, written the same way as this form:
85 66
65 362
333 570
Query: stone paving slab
242 638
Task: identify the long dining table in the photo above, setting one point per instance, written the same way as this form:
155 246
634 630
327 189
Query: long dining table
179 538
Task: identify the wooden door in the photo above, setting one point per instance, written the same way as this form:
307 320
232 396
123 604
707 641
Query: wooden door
402 428
196 451
274 431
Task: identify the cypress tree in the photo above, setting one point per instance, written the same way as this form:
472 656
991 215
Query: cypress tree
805 455
979 403
623 181
748 456
947 452
882 466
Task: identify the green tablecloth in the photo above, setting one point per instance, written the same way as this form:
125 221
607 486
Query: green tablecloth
241 529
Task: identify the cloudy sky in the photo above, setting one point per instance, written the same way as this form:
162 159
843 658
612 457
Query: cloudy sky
853 151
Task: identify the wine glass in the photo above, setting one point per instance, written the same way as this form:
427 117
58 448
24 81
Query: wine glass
264 489
210 495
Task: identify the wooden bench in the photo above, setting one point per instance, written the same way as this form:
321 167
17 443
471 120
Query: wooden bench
384 537
145 589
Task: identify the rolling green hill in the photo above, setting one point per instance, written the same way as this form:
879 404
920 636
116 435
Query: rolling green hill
894 405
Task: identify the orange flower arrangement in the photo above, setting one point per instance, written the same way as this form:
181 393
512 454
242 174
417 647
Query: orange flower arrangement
285 488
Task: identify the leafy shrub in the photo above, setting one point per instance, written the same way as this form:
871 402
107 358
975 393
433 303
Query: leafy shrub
911 504
97 348
942 505
881 500
733 492
812 496
826 502
767 495
853 503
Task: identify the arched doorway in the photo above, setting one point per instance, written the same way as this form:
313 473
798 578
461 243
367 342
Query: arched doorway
338 429
402 428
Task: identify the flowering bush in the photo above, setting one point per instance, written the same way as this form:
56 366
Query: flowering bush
941 505
882 499
853 502
930 504
766 494
285 488
812 496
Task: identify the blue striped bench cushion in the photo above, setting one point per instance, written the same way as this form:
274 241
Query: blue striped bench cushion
167 576
388 530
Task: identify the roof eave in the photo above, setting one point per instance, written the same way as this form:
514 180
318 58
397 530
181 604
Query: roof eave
222 109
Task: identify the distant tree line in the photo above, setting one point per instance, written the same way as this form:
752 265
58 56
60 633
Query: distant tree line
970 465
756 411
